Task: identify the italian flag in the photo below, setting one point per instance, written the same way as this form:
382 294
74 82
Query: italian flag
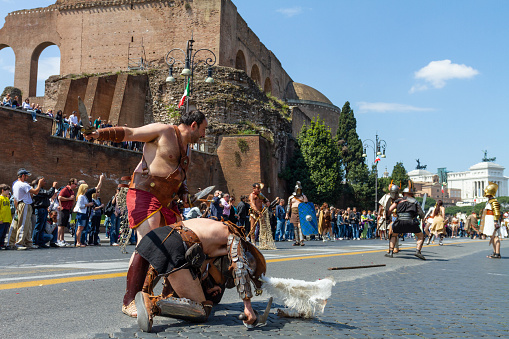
442 188
377 159
186 93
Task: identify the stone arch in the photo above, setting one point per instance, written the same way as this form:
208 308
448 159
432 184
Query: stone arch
240 61
255 74
267 87
34 66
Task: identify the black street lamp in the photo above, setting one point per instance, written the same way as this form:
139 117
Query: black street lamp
378 147
190 62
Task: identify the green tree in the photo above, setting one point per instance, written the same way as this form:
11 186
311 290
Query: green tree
316 163
399 175
360 179
429 202
351 146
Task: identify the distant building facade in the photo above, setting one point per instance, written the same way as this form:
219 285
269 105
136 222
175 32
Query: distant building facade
461 187
472 182
428 183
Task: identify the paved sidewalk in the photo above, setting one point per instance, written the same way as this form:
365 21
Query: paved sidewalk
443 298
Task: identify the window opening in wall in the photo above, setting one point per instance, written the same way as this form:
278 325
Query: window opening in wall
8 62
46 62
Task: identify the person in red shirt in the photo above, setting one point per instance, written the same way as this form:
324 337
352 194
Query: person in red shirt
66 200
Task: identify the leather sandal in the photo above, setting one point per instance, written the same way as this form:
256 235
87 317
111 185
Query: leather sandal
146 311
495 256
130 309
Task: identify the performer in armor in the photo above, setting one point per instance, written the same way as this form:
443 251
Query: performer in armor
407 209
491 220
292 212
257 211
157 182
184 251
384 217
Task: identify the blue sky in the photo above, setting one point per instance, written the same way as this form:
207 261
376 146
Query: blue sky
430 77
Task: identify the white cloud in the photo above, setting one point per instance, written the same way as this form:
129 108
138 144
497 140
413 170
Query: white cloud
289 12
9 69
436 73
47 67
387 107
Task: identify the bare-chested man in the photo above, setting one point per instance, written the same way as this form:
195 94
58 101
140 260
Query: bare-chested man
292 212
165 250
256 200
157 181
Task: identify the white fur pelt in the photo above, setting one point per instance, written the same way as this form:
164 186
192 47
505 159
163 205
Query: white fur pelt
304 299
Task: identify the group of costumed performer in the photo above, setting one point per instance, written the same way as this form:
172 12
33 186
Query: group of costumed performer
181 252
156 184
407 209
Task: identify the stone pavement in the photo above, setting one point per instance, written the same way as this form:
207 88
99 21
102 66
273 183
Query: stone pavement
442 298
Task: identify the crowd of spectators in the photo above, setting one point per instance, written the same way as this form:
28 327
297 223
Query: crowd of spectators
67 126
32 216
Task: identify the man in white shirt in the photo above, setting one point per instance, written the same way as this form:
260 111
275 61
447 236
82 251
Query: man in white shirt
20 233
73 122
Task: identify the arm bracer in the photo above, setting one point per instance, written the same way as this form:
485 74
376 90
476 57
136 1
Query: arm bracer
240 267
495 205
115 134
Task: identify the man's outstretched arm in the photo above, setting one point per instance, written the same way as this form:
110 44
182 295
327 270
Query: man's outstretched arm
145 133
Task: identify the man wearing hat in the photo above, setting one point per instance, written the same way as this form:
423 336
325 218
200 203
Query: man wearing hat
20 233
407 209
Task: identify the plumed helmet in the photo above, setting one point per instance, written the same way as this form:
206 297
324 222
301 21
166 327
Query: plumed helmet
298 188
491 189
394 191
410 189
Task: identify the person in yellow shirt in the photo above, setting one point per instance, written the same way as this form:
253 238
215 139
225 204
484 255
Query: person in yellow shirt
5 213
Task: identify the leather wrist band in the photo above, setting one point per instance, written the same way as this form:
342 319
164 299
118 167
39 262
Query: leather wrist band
115 134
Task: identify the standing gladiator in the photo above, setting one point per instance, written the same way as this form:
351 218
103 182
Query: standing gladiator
256 200
384 218
157 182
292 212
407 209
491 220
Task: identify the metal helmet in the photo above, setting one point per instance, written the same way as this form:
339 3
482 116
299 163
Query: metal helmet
298 188
491 190
394 191
410 189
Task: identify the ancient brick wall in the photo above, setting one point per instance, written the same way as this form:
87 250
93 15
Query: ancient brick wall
246 159
96 36
28 144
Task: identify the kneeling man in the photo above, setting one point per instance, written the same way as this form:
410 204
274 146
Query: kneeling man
183 251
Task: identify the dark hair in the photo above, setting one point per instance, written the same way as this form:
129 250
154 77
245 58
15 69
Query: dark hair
5 187
72 181
436 211
256 184
192 116
59 111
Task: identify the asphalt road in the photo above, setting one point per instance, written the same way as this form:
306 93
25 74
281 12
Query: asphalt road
456 292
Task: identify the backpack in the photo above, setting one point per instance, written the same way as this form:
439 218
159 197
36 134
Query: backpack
110 208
